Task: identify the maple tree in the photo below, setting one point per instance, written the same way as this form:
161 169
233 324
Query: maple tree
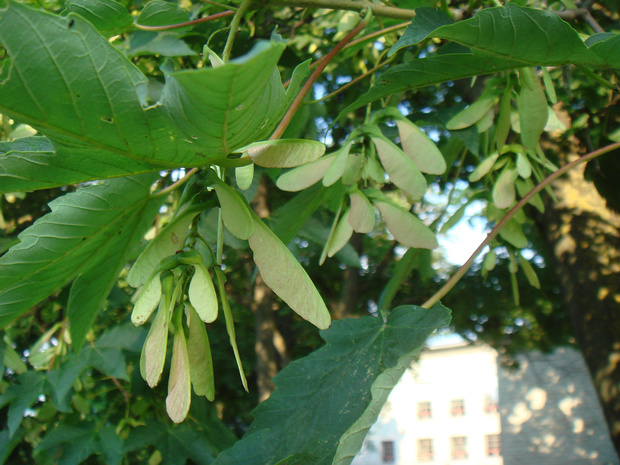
132 117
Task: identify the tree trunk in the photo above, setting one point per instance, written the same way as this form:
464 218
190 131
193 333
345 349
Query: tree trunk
583 235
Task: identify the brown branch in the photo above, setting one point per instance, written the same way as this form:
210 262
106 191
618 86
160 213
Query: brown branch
582 14
351 5
185 24
495 231
312 79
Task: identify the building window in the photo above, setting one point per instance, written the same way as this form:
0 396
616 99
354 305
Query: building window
492 445
424 411
457 408
425 450
490 404
387 451
458 447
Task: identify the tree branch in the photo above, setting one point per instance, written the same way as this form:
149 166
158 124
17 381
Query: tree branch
495 231
351 5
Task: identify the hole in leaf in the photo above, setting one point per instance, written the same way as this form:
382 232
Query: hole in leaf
107 119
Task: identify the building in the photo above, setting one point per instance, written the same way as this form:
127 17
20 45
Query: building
443 411
458 406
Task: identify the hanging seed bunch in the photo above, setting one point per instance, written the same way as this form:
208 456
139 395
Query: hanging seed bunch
176 283
366 162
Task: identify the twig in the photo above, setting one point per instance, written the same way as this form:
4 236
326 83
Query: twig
221 5
350 83
312 79
552 177
234 27
381 32
176 184
376 8
580 13
185 24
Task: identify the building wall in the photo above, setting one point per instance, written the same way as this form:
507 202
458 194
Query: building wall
441 375
550 412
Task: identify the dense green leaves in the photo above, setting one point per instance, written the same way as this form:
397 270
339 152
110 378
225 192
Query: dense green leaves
161 13
176 444
74 444
220 110
69 83
108 16
529 37
93 230
319 397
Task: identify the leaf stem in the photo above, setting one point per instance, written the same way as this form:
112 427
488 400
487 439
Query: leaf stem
221 5
350 83
552 177
312 79
176 184
595 77
381 32
185 24
376 8
234 27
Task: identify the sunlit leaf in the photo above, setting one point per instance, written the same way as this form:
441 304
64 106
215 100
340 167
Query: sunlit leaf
405 227
235 212
223 109
341 234
199 355
512 232
425 21
472 114
283 153
362 213
179 382
529 37
201 294
244 175
401 170
533 110
162 43
336 169
168 241
305 176
82 94
483 168
504 189
420 148
286 277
